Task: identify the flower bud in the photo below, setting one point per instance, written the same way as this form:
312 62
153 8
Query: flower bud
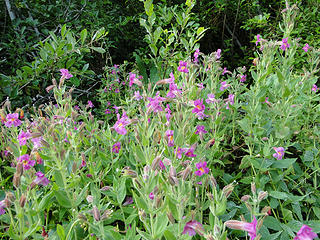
262 195
96 213
82 217
107 214
127 172
266 210
22 200
170 217
253 188
227 190
90 199
16 180
245 198
142 215
155 163
9 199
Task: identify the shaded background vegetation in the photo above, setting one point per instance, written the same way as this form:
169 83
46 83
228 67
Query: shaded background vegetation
232 26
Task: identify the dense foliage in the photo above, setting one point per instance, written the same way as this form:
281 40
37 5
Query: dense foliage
160 120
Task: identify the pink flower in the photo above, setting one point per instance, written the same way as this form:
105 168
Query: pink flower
120 125
27 163
202 168
198 106
154 103
230 100
174 91
196 55
137 95
193 227
267 102
12 119
65 74
116 147
314 88
134 80
258 39
306 47
200 129
183 67
23 137
305 233
37 142
224 85
128 201
279 153
169 135
151 196
107 111
285 44
211 99
243 78
2 206
41 179
179 152
218 54
90 104
168 114
83 163
225 70
161 165
189 152
251 228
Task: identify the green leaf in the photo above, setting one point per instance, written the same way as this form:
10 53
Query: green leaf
272 223
83 35
140 202
284 163
98 49
63 30
169 235
200 31
160 224
58 178
60 232
62 198
145 235
45 201
32 229
121 191
278 195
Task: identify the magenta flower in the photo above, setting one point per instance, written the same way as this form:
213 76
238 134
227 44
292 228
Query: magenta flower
198 106
251 228
285 44
224 85
37 142
107 111
65 74
179 152
161 165
129 200
200 129
258 39
134 80
189 152
230 100
174 91
154 103
314 88
23 137
168 114
90 104
267 102
193 227
183 67
151 196
169 135
211 99
137 96
243 78
2 206
218 54
116 147
279 153
225 70
196 55
306 47
120 125
27 163
83 163
305 233
41 179
12 119
202 169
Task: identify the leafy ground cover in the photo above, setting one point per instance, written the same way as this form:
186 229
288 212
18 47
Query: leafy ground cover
186 149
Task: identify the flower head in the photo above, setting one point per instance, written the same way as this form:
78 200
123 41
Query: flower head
243 78
314 88
23 137
211 99
12 119
183 67
154 103
65 74
41 179
305 233
218 54
90 104
151 196
196 55
306 47
251 228
200 129
285 44
258 39
279 153
27 163
189 152
120 125
224 85
202 168
230 100
179 152
137 96
198 106
192 228
169 135
116 147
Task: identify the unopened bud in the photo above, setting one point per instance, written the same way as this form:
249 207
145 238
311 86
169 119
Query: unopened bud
127 172
96 213
213 181
266 210
16 180
19 169
186 173
262 195
208 236
253 188
158 201
90 199
210 143
245 198
9 199
74 167
22 200
155 163
170 217
136 183
173 176
49 88
107 214
227 190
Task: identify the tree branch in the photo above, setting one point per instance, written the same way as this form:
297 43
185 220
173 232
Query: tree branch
11 13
